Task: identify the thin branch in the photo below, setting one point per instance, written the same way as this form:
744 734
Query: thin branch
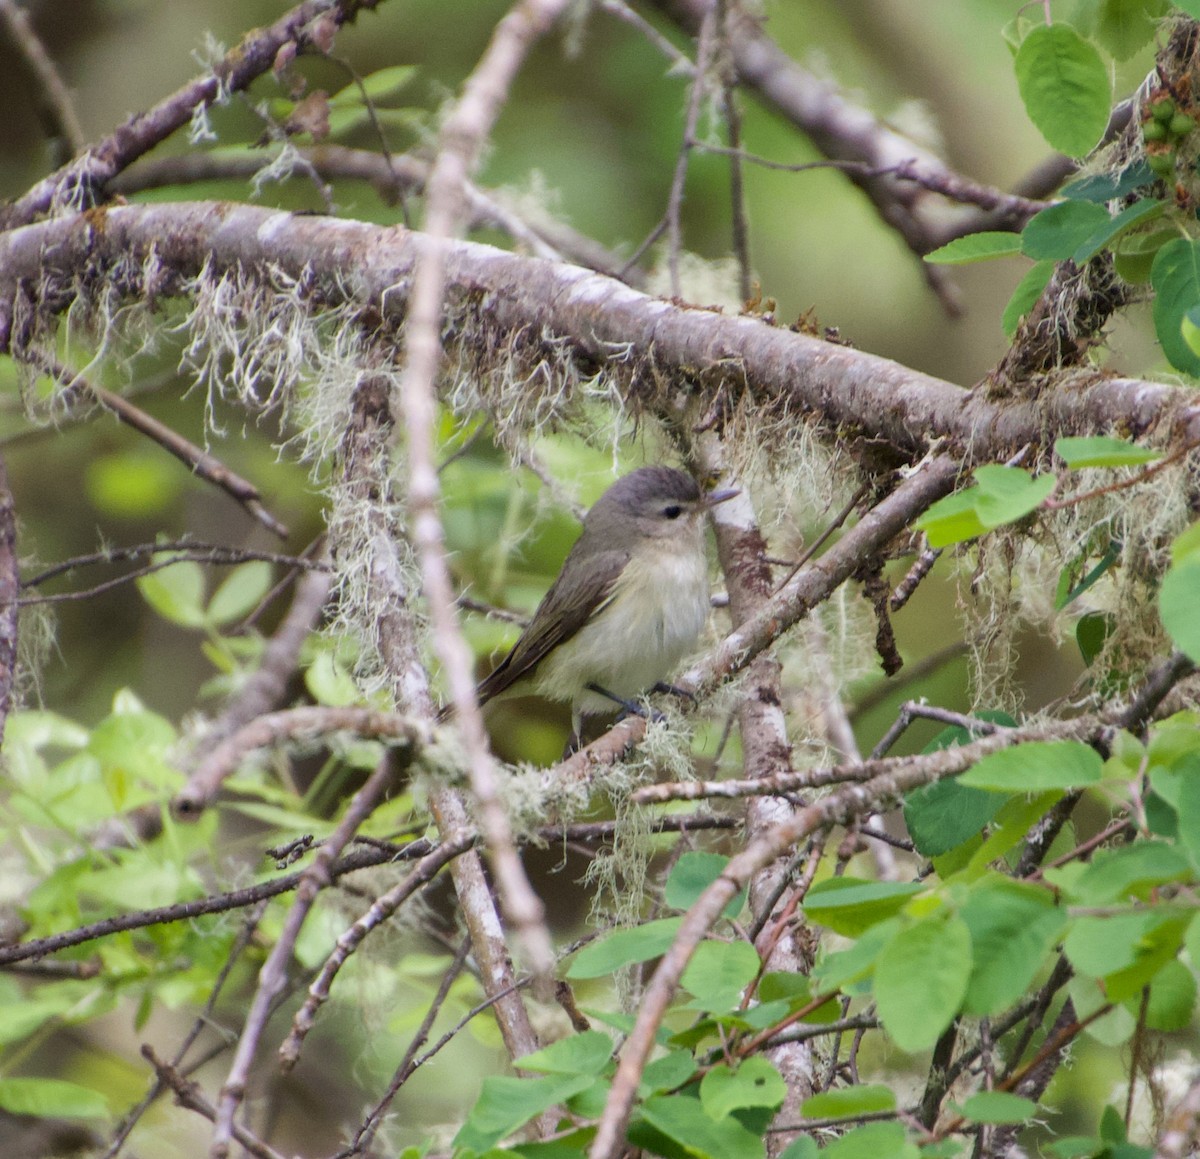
407 735
462 139
365 1134
188 1095
273 977
53 98
9 586
310 25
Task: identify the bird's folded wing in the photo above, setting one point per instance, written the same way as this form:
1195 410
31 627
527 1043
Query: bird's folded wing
562 612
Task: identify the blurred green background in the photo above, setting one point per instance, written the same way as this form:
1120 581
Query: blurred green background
590 136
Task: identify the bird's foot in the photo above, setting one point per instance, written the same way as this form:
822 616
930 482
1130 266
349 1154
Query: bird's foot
674 690
629 707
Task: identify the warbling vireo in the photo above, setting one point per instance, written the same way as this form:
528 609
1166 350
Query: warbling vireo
629 603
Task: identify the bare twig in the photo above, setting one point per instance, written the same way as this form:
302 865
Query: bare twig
274 976
464 133
308 25
53 98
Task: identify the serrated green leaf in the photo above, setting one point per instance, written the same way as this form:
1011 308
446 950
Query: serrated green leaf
845 1102
1065 88
1102 451
1124 26
1175 276
1035 767
755 1083
921 979
1059 230
1024 297
625 947
976 247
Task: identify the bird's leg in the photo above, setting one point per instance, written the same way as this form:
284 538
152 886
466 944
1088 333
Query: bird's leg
674 690
629 707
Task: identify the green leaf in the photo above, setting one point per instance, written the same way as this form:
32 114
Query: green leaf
692 874
921 979
1000 495
1132 871
1132 215
1013 929
684 1122
1104 187
1179 786
755 1083
176 593
976 247
1112 1125
844 968
586 1053
1179 605
719 972
51 1098
1175 276
943 815
625 947
329 683
1124 26
1065 87
850 905
1007 494
998 1107
1059 230
1126 950
240 592
1024 297
667 1073
952 520
846 1102
1133 257
805 1147
1172 998
1102 451
1037 766
873 1141
506 1104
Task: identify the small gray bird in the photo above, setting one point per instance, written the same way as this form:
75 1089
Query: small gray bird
629 603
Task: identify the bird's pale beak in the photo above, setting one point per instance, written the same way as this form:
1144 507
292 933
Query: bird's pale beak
715 497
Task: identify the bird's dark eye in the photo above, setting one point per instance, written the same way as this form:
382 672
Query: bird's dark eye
674 511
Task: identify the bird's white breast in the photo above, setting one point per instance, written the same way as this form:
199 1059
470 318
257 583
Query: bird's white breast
658 609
